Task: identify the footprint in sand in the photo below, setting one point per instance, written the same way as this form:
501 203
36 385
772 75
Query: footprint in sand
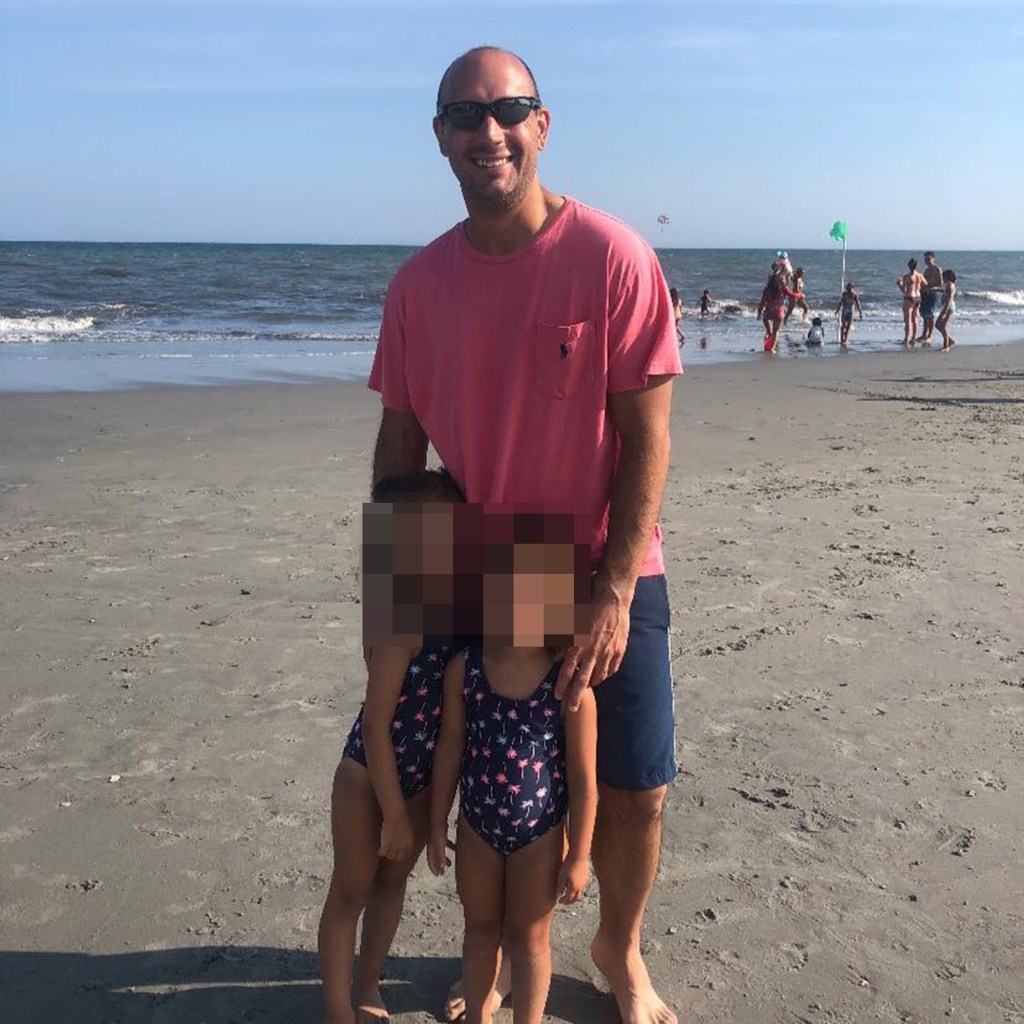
794 955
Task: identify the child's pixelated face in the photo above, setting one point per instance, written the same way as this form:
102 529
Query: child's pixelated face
542 602
461 570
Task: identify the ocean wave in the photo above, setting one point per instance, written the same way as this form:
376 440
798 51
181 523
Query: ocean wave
1015 298
25 328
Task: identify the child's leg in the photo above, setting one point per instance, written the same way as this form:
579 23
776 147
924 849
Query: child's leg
384 912
355 829
531 877
480 878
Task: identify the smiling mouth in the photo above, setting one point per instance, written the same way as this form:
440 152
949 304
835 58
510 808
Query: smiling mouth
492 162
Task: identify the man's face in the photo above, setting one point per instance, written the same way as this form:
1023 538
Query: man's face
496 167
929 261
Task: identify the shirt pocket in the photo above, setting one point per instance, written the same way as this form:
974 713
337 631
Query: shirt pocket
564 358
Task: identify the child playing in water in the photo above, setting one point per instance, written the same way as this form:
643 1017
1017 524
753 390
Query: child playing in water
380 798
816 335
801 301
522 769
705 303
948 309
677 312
848 301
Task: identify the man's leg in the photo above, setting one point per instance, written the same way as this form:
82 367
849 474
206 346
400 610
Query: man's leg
635 762
627 845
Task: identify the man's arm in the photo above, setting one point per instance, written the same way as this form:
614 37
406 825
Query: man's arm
401 445
642 420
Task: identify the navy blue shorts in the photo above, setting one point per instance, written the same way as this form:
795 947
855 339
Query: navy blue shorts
636 741
929 303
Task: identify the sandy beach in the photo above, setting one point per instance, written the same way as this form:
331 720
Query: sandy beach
180 665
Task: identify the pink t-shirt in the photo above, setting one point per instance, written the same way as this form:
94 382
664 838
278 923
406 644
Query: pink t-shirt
508 361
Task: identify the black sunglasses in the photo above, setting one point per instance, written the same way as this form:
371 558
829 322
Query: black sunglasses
467 115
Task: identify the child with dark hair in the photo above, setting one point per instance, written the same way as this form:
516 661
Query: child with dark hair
948 309
380 799
816 335
848 301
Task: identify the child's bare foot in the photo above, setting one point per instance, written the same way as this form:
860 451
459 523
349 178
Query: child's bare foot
369 1006
455 1004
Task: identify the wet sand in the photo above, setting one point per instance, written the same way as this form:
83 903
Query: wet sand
180 664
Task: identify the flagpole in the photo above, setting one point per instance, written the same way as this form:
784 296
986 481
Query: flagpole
842 287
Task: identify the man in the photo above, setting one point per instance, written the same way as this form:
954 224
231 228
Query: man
534 346
930 297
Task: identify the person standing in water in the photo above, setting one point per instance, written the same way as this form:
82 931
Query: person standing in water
911 284
848 301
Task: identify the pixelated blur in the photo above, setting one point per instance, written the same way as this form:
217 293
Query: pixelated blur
472 574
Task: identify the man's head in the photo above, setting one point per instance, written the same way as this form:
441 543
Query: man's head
492 149
929 258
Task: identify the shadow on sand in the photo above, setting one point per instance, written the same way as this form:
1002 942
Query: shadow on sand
230 985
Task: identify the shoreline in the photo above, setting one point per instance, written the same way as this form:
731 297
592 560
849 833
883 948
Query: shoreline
180 582
26 369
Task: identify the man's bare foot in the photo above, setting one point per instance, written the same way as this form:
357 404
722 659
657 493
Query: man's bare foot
631 985
455 1004
369 1007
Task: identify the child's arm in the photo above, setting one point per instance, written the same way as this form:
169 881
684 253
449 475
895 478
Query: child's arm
447 761
581 772
839 304
388 666
856 301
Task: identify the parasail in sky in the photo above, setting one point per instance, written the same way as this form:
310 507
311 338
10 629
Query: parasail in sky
663 219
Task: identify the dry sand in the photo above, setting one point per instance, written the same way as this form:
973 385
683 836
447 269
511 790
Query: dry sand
180 664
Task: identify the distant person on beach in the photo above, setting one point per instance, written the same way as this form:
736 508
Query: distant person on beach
816 335
772 307
911 284
798 286
848 301
705 303
948 309
380 799
556 390
677 311
931 296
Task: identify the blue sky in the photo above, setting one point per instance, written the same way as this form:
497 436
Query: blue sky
747 124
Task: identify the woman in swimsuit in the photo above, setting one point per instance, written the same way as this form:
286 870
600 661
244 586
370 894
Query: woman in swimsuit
772 307
948 309
911 285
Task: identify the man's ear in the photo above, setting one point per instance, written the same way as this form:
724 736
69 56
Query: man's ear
543 125
439 134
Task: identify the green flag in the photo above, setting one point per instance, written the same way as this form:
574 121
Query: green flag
838 231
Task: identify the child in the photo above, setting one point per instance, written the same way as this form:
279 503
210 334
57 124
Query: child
816 335
522 768
847 302
948 309
677 310
380 799
705 303
800 300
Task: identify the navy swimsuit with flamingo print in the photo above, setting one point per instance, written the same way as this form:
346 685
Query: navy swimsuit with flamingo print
512 787
417 721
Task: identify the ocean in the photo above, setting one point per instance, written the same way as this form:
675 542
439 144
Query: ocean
94 316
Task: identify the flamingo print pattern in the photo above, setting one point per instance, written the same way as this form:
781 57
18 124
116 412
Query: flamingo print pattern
512 783
417 722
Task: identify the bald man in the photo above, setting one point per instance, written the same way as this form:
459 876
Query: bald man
534 346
